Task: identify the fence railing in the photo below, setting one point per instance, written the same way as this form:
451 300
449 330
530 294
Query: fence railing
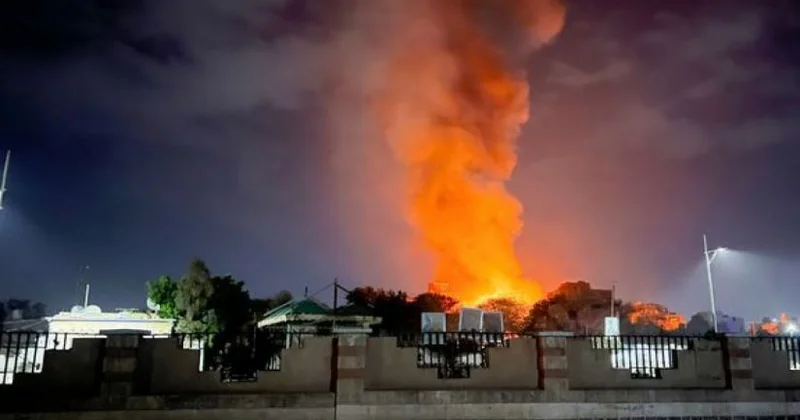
790 345
23 352
453 354
238 357
644 356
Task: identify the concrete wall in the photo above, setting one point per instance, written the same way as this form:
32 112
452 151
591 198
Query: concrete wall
555 397
70 372
355 377
393 367
174 370
702 365
771 363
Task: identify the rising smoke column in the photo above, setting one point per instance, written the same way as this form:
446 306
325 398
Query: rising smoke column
450 99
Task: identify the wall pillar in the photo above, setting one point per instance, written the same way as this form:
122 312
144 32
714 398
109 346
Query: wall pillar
553 373
350 352
740 365
119 365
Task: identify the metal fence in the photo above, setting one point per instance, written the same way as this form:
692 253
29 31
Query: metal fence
790 345
238 357
453 354
644 356
23 352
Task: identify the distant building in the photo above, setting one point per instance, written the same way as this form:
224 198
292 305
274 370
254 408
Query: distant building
23 342
92 321
653 314
783 325
312 316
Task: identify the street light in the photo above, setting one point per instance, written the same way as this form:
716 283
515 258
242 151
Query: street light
4 178
710 255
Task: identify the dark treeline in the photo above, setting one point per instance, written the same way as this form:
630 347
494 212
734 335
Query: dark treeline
574 307
202 303
21 309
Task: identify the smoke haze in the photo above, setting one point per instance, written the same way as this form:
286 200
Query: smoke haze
437 82
307 139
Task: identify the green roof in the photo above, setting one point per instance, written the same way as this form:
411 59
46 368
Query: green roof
311 306
303 307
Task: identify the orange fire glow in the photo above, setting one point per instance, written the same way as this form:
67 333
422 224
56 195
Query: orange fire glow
654 314
452 114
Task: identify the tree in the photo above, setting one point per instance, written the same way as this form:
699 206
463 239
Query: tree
548 315
398 313
574 307
38 310
259 307
162 292
578 308
230 303
364 296
24 308
201 303
193 301
18 305
699 324
434 302
514 312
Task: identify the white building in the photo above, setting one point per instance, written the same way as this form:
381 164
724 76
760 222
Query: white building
91 321
23 342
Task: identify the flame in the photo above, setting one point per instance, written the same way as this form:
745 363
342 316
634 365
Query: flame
655 314
452 112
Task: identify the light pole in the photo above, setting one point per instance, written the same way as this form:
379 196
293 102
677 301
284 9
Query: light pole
4 178
710 255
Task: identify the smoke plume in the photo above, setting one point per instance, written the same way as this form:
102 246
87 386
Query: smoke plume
422 100
443 82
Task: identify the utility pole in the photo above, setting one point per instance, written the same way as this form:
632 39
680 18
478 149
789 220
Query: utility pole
336 289
613 299
335 304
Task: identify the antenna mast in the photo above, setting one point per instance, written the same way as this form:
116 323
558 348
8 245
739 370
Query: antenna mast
5 178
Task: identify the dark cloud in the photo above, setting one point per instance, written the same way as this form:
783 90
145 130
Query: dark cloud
197 71
162 68
258 149
690 81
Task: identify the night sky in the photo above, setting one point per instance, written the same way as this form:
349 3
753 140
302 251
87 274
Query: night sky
145 133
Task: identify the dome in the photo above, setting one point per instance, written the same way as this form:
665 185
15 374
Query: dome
92 309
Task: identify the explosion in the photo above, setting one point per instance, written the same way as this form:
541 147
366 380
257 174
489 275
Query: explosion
452 109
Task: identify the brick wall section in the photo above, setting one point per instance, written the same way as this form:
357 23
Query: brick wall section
351 360
119 365
553 362
740 363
